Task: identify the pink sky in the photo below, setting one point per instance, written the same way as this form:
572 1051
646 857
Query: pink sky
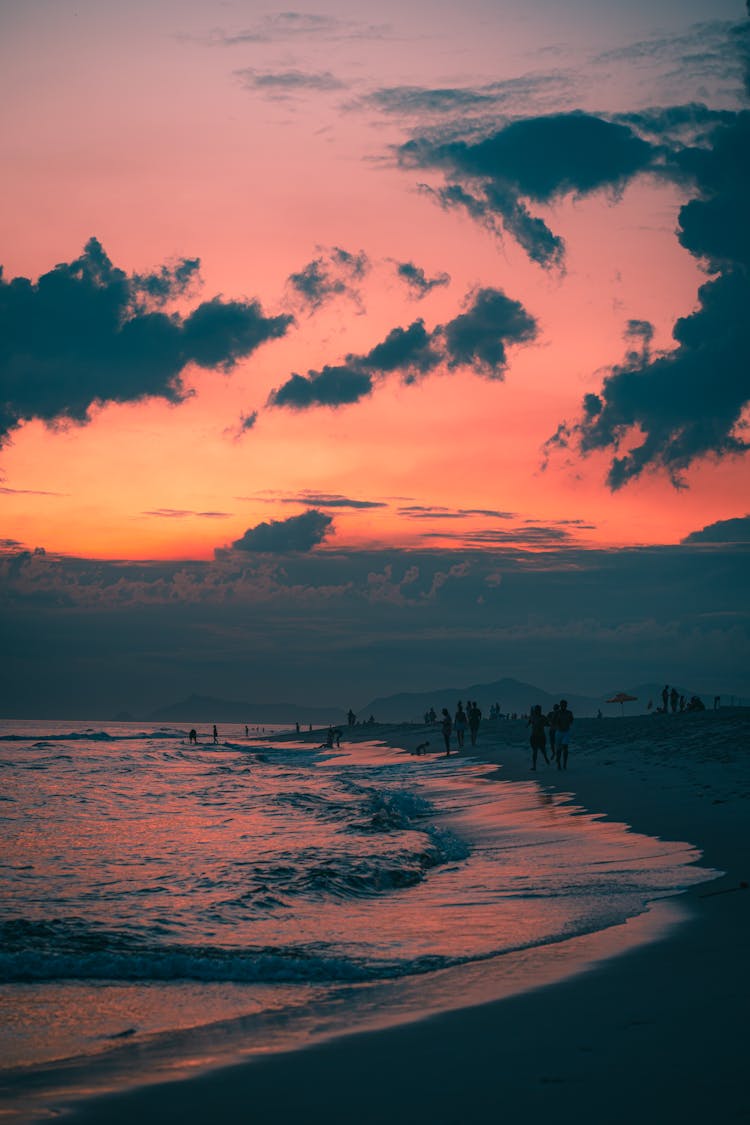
133 125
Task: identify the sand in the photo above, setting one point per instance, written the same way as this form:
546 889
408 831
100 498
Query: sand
658 1034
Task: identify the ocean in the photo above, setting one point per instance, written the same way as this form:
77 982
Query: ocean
167 907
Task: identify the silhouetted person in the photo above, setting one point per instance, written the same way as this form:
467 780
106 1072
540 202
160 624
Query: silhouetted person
351 718
674 696
460 724
297 725
475 718
552 723
682 702
447 727
422 748
665 698
193 736
216 734
564 723
247 732
717 701
537 738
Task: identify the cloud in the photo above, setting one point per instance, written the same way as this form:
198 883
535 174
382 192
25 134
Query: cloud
421 511
534 158
330 275
325 500
86 334
278 537
664 411
524 91
417 281
477 338
284 26
723 531
182 513
280 84
248 421
337 626
6 491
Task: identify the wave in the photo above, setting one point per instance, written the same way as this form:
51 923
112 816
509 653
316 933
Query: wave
93 736
93 954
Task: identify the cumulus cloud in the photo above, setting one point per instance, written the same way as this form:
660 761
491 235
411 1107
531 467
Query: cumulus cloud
86 333
537 159
418 282
278 537
332 274
665 411
477 339
723 531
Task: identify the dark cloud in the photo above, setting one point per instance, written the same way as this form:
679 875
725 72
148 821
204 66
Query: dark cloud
286 82
248 421
417 280
723 531
86 333
325 500
344 627
667 410
283 26
535 158
278 537
330 275
333 386
477 338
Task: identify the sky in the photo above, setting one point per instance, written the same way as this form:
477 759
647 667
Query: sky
347 350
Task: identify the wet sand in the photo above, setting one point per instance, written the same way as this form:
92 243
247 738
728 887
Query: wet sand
658 1034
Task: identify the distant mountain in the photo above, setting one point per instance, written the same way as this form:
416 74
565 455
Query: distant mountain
516 696
205 709
512 695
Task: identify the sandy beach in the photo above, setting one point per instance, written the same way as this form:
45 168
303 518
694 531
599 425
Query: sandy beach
657 1034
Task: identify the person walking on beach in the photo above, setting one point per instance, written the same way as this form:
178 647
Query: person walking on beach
460 724
562 738
216 735
447 727
475 718
552 724
538 738
193 736
674 696
665 698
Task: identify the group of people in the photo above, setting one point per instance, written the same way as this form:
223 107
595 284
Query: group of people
462 721
671 697
558 722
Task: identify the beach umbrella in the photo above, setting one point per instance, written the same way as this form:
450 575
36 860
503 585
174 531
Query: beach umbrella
622 697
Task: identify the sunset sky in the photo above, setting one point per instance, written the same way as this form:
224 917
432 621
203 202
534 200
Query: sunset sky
347 349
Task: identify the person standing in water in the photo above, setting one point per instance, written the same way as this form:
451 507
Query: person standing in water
562 738
538 737
447 726
460 724
216 735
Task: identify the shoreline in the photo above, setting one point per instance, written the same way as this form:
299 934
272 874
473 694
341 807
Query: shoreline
657 1031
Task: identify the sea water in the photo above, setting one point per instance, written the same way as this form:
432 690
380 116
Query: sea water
152 891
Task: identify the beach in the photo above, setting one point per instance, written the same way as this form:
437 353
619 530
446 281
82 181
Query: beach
657 1033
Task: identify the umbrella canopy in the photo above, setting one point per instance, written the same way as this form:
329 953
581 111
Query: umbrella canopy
622 697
